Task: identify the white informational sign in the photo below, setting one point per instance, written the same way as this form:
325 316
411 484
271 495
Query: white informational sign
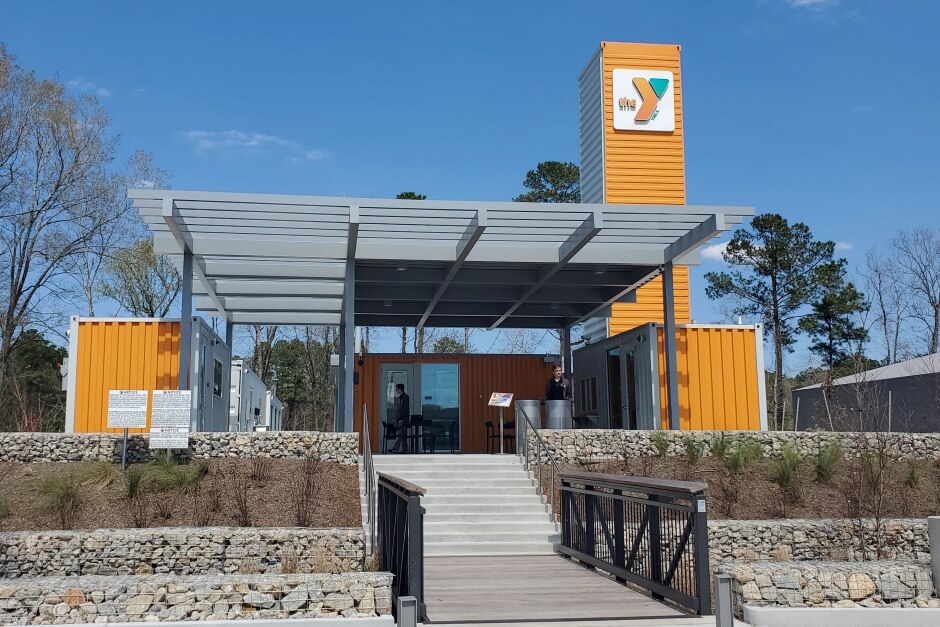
127 409
500 399
169 437
644 100
171 408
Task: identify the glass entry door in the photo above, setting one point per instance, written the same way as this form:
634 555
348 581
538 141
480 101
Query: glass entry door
392 375
440 404
639 406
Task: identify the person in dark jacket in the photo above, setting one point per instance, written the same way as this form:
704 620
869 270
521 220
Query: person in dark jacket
402 418
558 388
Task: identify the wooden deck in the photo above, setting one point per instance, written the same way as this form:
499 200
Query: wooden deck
529 588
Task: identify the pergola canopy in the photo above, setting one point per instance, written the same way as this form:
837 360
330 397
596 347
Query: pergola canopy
289 260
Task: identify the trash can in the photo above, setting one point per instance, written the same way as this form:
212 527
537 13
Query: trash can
557 414
532 409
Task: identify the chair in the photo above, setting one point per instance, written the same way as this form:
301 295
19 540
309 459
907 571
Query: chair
509 436
445 429
416 432
389 432
492 438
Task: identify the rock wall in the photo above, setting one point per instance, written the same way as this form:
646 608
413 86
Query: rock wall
89 599
838 539
832 584
571 446
75 447
180 551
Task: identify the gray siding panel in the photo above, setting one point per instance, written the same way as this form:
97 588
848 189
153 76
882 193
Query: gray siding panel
591 114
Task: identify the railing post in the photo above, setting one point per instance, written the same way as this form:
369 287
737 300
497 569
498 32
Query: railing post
588 542
415 557
620 558
656 543
702 568
565 517
724 602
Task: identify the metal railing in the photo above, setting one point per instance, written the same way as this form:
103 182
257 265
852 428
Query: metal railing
368 470
650 532
523 449
401 538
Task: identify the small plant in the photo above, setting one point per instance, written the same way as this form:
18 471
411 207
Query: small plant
721 446
913 478
163 507
139 511
240 487
181 478
133 482
785 472
4 506
660 442
304 489
202 509
250 567
290 563
751 449
99 474
260 469
736 460
827 459
62 497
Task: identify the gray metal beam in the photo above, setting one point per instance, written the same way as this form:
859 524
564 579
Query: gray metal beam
470 238
186 321
644 276
455 322
285 318
281 303
578 240
169 217
352 236
226 288
694 238
669 335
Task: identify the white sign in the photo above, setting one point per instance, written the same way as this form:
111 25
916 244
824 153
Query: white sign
171 408
500 399
127 409
169 437
644 100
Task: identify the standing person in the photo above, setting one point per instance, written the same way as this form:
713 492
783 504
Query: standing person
558 388
402 417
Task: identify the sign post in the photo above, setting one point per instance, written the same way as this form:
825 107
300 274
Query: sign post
169 425
501 400
127 409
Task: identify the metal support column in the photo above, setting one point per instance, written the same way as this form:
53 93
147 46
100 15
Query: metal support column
339 416
229 334
669 334
186 321
349 345
566 351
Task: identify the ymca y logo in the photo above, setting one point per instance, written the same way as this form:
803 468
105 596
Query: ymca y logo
643 100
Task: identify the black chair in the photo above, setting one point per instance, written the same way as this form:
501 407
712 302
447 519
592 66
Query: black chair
509 436
416 427
389 432
492 438
440 429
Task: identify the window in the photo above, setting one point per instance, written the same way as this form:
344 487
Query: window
587 394
217 379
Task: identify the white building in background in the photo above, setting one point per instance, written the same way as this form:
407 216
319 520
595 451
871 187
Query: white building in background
252 407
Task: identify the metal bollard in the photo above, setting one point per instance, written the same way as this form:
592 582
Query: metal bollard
724 606
407 611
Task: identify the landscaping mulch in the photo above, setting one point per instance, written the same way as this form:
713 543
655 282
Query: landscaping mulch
271 501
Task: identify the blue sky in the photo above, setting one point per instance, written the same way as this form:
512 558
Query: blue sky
820 110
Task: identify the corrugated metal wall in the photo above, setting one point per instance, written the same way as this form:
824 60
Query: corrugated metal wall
121 355
480 375
649 304
591 114
718 378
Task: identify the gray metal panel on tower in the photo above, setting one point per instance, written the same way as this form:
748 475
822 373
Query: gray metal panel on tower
591 120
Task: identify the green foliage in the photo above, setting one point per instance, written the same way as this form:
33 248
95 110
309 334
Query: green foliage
721 446
785 470
168 475
32 395
303 384
99 473
144 283
660 442
134 481
552 181
742 454
61 495
827 459
448 344
4 506
832 325
693 451
410 196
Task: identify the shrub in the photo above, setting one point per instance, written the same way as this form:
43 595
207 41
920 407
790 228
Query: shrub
4 506
750 448
660 442
100 473
182 478
133 481
290 563
62 496
693 451
827 459
139 511
721 446
736 460
304 489
785 472
260 469
913 476
240 486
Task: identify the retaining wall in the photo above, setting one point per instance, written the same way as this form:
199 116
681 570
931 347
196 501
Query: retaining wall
48 600
75 447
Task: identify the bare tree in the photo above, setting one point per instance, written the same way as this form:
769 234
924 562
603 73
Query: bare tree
262 342
142 282
890 301
917 253
521 341
54 155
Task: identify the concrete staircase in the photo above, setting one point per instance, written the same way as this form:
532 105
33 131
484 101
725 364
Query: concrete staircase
476 504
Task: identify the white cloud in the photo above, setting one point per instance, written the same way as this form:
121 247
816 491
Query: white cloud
844 247
814 5
714 251
144 184
86 86
246 141
139 91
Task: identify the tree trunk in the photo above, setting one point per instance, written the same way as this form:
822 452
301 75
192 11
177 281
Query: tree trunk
404 340
778 378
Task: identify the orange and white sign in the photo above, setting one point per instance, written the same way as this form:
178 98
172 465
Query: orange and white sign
644 100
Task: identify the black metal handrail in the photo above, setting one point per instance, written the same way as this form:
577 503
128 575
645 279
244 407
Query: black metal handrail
401 537
522 448
650 532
